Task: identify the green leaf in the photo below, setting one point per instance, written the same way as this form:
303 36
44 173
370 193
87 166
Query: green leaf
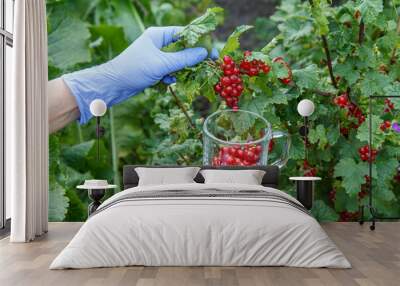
296 28
386 165
277 96
318 135
126 16
54 158
374 83
344 202
271 45
242 122
58 203
394 89
77 210
352 174
279 70
306 78
370 9
232 44
257 104
297 149
346 70
333 134
200 26
76 156
318 9
162 120
112 40
378 137
322 212
68 44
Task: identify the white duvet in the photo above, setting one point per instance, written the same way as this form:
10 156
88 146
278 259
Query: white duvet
200 231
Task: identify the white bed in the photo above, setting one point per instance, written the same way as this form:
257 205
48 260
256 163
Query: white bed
202 231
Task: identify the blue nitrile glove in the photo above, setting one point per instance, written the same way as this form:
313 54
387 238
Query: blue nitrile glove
141 65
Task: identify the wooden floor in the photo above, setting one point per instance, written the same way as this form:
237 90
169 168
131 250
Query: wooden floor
375 257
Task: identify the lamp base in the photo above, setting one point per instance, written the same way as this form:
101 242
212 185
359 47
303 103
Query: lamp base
96 196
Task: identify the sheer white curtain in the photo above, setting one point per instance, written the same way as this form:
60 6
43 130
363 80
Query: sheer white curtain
27 124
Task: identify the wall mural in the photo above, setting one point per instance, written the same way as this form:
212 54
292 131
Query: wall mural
335 56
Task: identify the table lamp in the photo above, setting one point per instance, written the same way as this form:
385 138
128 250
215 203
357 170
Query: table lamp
305 108
98 108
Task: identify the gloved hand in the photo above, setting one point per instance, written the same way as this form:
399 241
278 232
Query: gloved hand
141 65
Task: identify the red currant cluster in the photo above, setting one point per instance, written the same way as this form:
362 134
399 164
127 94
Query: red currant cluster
332 195
389 106
288 79
254 67
230 85
341 100
352 111
385 125
238 156
362 194
349 216
344 131
355 112
364 188
364 153
309 171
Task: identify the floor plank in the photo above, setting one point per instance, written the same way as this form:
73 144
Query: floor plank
375 257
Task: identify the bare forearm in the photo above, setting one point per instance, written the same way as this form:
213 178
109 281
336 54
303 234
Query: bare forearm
63 108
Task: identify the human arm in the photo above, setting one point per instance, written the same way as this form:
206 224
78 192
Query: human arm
141 65
62 105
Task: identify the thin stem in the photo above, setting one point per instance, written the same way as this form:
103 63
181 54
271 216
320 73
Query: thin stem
79 131
329 60
361 32
328 55
305 136
181 106
348 91
98 137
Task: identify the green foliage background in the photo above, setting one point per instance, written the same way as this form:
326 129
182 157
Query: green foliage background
150 129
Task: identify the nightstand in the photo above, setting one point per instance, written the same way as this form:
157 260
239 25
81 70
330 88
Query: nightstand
305 190
96 190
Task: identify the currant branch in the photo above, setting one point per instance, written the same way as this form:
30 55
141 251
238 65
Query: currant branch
361 32
329 61
348 91
328 55
181 106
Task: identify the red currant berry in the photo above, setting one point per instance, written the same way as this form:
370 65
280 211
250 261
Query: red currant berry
225 81
218 88
227 60
247 53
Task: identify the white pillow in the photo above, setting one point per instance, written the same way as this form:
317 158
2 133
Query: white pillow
248 177
166 176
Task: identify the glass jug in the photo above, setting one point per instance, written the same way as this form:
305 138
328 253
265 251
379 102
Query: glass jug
240 138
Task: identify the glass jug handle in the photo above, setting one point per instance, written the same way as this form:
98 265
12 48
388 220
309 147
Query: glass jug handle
285 153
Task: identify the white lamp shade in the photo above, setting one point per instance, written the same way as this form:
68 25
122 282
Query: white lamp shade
98 107
305 107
